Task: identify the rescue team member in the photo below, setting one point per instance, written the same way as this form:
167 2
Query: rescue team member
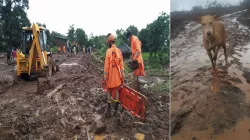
113 72
64 49
59 49
135 44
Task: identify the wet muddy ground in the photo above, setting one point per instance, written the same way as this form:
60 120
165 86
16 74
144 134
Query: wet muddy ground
204 107
71 104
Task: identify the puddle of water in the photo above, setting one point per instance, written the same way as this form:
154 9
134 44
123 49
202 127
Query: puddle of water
69 64
189 134
240 132
215 87
245 56
244 86
175 106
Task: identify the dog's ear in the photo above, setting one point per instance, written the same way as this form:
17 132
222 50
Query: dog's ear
216 18
198 20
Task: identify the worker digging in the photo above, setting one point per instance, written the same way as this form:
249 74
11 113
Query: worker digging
136 60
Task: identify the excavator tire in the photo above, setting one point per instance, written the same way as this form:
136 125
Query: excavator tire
55 66
49 70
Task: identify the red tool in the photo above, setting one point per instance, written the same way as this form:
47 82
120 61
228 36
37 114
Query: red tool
130 99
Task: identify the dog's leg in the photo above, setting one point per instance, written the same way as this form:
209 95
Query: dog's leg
214 50
211 59
225 52
217 49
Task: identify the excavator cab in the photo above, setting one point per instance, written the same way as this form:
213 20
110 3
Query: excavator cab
27 39
34 56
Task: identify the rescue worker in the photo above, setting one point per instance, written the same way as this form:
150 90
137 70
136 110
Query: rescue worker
68 46
14 55
135 44
74 50
64 49
113 73
8 54
83 49
59 50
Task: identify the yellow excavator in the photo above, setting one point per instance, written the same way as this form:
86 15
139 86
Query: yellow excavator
34 56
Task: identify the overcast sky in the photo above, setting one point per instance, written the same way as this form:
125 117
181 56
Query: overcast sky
178 5
97 16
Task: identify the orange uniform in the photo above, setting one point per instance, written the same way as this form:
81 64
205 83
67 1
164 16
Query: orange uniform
64 49
113 67
59 49
137 55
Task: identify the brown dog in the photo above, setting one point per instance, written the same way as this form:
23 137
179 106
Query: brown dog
213 37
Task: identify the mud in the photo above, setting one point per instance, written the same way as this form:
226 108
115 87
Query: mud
203 106
71 104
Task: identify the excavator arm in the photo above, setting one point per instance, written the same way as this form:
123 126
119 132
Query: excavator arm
36 45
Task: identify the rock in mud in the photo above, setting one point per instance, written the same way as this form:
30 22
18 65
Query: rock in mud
43 84
146 86
6 81
246 74
178 117
98 127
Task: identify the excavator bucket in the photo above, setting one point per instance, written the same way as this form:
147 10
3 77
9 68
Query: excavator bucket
130 99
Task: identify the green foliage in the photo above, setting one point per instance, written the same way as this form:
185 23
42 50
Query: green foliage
144 40
12 18
155 38
161 87
102 52
133 29
71 33
120 33
81 37
98 41
53 49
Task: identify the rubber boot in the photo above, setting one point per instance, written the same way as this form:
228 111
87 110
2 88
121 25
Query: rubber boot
116 104
136 84
108 110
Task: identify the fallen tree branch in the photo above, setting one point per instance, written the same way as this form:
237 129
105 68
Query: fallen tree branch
50 94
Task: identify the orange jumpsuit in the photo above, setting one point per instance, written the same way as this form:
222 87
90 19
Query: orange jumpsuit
64 49
59 49
113 74
137 55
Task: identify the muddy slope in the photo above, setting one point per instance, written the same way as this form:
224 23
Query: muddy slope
203 107
71 103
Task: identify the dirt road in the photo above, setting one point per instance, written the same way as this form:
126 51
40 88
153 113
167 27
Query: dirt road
203 107
32 110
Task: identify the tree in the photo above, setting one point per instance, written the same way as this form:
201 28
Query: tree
133 29
143 37
157 37
81 37
121 37
13 17
71 33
